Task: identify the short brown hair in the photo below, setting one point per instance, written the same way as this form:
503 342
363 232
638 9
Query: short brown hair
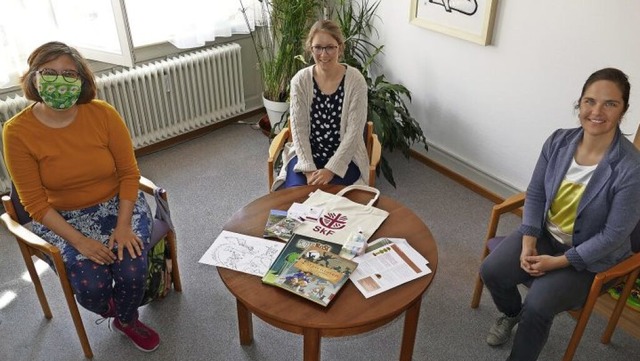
326 26
51 51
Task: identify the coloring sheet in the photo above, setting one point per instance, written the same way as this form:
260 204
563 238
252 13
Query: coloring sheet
242 253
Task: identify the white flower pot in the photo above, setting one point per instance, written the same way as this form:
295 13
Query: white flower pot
276 111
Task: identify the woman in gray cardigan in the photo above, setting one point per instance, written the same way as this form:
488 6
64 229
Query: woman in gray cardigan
580 208
328 115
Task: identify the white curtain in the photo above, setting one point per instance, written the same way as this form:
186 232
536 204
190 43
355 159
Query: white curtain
26 24
188 23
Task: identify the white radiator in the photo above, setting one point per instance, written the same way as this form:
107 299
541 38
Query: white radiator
166 98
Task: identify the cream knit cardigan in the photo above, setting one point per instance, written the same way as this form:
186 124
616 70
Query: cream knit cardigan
352 122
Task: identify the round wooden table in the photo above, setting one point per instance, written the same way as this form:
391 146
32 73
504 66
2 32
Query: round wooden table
349 313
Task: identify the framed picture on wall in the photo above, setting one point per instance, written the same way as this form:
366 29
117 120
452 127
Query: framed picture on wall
470 20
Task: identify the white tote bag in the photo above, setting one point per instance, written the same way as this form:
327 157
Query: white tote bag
342 216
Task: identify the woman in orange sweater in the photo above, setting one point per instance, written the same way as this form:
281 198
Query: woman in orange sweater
71 160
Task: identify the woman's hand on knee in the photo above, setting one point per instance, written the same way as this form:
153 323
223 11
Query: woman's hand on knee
125 238
95 251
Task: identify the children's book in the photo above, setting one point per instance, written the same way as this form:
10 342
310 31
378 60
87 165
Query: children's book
292 250
316 274
280 225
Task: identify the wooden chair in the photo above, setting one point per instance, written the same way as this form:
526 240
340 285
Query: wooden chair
626 270
374 151
15 217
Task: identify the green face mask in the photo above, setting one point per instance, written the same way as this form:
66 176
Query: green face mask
59 94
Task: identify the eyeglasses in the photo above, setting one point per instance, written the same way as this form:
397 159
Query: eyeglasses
329 49
50 75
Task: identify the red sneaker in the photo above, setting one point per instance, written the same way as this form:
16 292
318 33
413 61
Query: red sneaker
142 336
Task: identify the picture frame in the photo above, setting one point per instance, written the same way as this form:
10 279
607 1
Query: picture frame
471 20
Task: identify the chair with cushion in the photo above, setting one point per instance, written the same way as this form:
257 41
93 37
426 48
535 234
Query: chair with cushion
626 270
15 218
374 151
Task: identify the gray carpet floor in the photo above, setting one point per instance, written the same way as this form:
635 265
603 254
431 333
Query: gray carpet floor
211 177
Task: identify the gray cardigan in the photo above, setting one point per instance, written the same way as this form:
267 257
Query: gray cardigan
352 121
610 206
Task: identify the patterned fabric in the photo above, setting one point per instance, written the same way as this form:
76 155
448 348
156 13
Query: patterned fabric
352 122
95 284
97 222
325 114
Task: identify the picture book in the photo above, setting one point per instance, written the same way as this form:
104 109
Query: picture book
317 274
292 251
275 216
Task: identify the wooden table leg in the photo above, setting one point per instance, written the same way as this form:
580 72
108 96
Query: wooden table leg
245 324
311 348
410 329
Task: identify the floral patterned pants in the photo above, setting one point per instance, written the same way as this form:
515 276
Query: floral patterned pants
92 283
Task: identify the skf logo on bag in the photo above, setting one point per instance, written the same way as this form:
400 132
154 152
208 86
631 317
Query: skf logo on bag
331 222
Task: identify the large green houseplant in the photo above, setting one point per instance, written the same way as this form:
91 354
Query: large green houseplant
393 124
280 41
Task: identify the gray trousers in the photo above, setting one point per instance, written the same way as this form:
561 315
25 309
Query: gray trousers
557 291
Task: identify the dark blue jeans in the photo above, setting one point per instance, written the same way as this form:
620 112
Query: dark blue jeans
299 179
557 291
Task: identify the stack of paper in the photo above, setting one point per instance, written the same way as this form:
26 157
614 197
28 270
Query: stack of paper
388 262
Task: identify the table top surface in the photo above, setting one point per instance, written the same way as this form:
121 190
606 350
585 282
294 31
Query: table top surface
350 309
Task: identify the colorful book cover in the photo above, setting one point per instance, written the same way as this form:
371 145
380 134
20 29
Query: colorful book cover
317 274
291 252
275 216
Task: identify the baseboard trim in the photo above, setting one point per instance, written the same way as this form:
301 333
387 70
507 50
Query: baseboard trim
464 174
168 143
452 167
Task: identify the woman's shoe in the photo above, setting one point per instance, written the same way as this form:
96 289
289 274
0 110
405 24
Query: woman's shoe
142 336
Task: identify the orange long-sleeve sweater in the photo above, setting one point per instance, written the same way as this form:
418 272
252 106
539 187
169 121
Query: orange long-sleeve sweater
83 164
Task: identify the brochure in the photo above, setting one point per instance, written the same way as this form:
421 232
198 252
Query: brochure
387 263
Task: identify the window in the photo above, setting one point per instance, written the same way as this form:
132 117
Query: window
109 30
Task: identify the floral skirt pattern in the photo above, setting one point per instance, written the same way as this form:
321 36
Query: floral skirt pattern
97 222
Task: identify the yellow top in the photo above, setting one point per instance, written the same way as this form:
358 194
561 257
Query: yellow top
74 167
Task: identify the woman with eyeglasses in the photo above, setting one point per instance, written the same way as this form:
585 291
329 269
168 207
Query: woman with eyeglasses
71 160
328 115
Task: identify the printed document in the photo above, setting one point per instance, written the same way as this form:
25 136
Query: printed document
388 262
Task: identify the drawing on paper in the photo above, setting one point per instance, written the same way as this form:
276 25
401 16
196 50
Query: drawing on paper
242 253
467 7
465 19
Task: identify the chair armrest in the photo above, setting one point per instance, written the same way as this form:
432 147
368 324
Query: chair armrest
621 269
146 185
510 204
376 152
276 146
278 143
24 235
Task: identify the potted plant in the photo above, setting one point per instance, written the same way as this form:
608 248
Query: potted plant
279 43
393 124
